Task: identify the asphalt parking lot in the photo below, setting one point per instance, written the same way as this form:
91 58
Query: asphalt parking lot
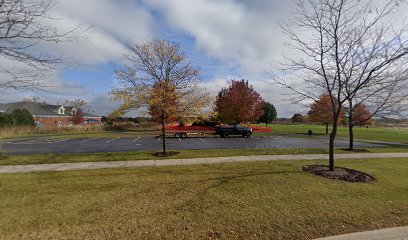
41 145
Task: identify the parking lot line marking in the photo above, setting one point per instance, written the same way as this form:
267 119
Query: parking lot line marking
113 139
179 139
38 141
202 139
32 141
135 139
87 140
138 144
63 140
159 139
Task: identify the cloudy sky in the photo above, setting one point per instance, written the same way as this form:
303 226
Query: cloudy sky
226 39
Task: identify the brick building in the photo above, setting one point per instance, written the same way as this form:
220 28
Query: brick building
47 115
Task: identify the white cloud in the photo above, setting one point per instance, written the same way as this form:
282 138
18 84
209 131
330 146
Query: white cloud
228 30
110 23
242 33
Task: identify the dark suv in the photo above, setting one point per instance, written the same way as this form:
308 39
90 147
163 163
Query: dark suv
225 131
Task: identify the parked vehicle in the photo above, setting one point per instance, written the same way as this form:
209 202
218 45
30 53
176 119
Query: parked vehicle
225 131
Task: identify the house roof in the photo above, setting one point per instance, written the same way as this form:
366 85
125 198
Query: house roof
40 109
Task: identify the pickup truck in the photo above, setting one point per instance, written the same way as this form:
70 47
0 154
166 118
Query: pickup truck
225 131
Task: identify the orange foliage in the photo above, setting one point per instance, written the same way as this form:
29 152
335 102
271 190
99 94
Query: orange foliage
361 115
321 111
163 99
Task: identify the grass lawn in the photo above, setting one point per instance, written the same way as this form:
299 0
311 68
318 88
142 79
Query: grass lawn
399 135
268 200
146 155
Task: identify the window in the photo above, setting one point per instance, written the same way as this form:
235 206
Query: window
61 110
59 123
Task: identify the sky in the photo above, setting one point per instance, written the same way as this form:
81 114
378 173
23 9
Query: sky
225 39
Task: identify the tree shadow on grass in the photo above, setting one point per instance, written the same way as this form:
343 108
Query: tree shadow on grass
200 196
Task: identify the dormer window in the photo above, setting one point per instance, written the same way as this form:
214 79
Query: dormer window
61 110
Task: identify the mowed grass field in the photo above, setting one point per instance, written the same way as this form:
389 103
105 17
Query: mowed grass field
268 200
398 135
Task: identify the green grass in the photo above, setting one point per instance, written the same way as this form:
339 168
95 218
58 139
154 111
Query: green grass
399 135
268 200
146 155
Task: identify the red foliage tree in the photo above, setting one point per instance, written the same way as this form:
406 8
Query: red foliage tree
239 103
361 115
77 116
321 112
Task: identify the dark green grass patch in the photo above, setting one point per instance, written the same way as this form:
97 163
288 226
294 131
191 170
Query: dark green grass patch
268 200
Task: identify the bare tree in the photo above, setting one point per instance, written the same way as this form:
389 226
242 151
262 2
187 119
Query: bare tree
159 76
383 97
347 49
23 26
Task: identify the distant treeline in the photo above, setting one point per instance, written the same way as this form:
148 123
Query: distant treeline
19 117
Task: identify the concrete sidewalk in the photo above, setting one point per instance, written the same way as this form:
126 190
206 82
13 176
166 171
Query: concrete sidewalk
397 233
180 162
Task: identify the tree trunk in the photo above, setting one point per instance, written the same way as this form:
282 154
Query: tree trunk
351 136
331 143
350 126
327 128
266 124
164 132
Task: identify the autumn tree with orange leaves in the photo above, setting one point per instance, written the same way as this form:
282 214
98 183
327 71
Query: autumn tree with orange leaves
163 102
239 103
362 115
158 75
358 115
321 112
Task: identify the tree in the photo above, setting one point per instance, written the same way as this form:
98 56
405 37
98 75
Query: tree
19 117
159 76
297 118
77 116
238 103
359 115
163 94
76 104
270 113
321 112
77 108
23 26
348 49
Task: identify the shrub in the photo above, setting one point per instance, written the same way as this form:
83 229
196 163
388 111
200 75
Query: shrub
19 117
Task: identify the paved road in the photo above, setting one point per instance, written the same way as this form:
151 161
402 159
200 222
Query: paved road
7 169
84 145
397 233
